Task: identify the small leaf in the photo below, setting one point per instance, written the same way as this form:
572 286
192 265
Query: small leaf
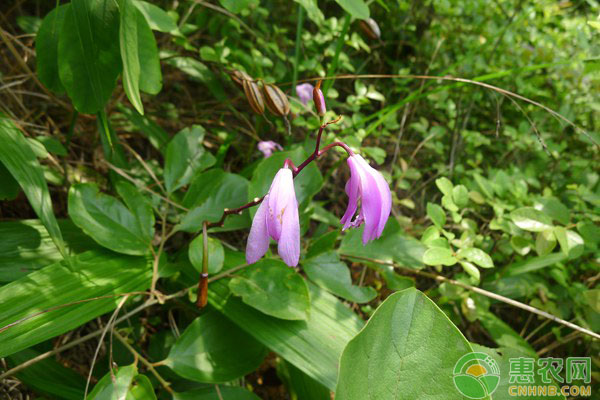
46 48
545 242
356 8
273 288
439 256
107 389
185 157
213 349
108 221
436 214
312 10
476 256
216 255
460 195
327 271
472 270
141 389
530 219
157 18
554 209
52 145
445 185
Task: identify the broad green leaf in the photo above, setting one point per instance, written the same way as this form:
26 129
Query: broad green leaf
88 53
439 256
9 187
95 273
157 136
555 209
20 161
575 243
150 74
46 48
476 256
216 255
445 185
273 288
327 271
128 41
534 263
213 349
108 221
139 205
322 244
314 346
356 8
530 219
52 145
406 345
211 393
307 183
26 246
436 214
395 281
460 195
545 242
300 385
141 389
107 389
185 157
561 235
312 10
157 18
48 376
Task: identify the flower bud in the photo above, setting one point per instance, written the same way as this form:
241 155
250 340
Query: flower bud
370 28
254 96
275 100
319 100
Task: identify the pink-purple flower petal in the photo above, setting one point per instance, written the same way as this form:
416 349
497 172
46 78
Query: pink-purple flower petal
258 240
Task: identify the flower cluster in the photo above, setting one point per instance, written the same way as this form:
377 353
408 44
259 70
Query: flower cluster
277 215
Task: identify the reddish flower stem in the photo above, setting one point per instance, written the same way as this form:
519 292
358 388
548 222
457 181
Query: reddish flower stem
295 171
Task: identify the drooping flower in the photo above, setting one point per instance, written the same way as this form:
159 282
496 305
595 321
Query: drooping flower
267 147
304 92
319 100
277 218
367 185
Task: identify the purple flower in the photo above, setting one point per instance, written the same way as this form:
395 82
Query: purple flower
267 147
367 185
304 92
277 218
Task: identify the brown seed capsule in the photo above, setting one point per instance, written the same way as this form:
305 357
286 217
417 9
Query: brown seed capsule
370 28
238 77
275 100
254 96
319 100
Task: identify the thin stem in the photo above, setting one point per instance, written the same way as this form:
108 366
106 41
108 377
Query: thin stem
144 361
203 282
483 292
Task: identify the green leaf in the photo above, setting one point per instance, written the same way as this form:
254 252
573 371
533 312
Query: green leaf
216 255
408 339
545 242
185 157
94 274
436 214
300 385
312 10
460 195
213 349
107 389
236 6
530 219
534 263
439 256
503 334
48 376
327 271
307 183
476 256
108 221
26 246
211 393
88 53
52 145
445 186
46 48
395 281
20 161
356 8
157 18
273 288
555 209
139 205
472 270
150 80
157 136
314 346
128 40
141 389
9 187
561 235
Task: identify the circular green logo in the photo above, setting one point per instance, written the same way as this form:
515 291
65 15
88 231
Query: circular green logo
476 375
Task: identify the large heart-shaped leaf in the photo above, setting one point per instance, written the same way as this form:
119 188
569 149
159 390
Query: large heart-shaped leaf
213 349
273 288
108 221
407 344
89 60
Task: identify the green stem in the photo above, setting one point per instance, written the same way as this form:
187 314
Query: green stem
297 51
338 49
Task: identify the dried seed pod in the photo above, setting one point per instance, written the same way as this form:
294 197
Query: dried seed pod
238 77
254 96
275 100
370 28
